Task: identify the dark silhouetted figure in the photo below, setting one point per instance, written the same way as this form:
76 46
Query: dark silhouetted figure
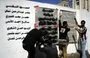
30 40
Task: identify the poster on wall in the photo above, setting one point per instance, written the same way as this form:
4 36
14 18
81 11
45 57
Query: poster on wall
69 17
46 19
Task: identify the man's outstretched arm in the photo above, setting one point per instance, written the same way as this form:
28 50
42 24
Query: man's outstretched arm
76 22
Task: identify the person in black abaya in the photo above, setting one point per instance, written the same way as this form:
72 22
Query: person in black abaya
35 35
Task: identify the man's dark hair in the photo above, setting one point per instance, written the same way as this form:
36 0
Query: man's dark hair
64 23
83 21
43 31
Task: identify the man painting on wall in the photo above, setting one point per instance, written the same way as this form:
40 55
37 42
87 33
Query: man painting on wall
82 37
64 36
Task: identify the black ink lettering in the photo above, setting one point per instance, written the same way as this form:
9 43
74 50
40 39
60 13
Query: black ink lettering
17 33
7 11
25 17
27 28
23 37
9 16
10 21
24 33
19 28
25 22
11 28
18 38
17 21
11 33
11 38
8 6
16 6
24 7
13 11
20 12
17 16
27 12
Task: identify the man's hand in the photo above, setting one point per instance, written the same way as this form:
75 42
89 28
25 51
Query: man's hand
74 18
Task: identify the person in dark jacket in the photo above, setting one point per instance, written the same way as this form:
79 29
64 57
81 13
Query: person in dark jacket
64 39
64 31
35 35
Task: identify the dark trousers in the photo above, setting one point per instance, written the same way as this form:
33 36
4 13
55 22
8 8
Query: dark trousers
31 53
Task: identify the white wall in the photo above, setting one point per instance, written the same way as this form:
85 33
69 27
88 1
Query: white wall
13 48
